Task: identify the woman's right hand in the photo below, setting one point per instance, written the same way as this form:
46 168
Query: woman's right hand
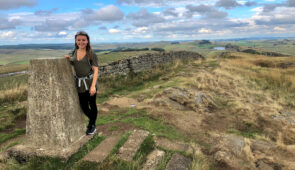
68 57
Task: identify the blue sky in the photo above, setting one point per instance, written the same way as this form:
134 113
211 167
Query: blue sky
57 21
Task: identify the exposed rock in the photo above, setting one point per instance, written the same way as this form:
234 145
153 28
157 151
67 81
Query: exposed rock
261 146
232 151
182 99
263 166
99 153
179 162
169 145
128 150
153 159
287 117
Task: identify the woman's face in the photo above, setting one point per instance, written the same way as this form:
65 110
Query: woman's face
81 41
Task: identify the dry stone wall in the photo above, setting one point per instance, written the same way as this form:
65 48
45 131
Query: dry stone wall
144 62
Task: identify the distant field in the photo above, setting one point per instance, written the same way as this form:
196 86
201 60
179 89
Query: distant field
280 46
18 56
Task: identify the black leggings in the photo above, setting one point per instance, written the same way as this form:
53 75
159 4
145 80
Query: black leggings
88 105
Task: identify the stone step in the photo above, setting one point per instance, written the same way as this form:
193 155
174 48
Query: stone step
153 159
99 153
128 150
179 162
169 145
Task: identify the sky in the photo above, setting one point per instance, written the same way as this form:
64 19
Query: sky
57 21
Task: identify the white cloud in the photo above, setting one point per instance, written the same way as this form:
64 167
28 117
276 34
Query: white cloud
141 30
204 30
114 31
8 34
258 9
62 33
147 36
279 28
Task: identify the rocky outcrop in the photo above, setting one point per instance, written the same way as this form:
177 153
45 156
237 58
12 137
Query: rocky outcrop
183 99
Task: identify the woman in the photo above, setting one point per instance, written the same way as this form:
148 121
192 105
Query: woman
85 65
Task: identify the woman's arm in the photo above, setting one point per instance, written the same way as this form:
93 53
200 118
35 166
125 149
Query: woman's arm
94 80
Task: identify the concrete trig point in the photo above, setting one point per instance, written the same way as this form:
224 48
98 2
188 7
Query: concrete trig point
55 123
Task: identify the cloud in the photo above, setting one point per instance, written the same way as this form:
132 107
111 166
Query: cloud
250 3
144 18
108 13
204 30
159 3
114 31
62 33
102 28
14 4
53 25
8 34
270 7
291 3
45 12
170 12
141 30
227 4
206 11
279 28
9 24
281 16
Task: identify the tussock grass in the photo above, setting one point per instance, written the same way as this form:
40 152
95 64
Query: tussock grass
19 93
123 85
264 71
13 68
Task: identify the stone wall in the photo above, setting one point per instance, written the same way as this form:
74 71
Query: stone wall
144 62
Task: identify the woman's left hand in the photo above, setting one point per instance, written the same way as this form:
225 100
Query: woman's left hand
92 91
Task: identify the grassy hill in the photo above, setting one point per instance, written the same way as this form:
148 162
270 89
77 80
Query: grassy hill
242 116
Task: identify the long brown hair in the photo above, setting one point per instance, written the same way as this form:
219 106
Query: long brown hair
88 47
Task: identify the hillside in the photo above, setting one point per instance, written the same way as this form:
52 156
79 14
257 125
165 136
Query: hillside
234 110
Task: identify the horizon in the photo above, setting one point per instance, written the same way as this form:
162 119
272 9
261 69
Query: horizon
132 21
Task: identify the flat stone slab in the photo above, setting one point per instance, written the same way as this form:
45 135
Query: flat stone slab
169 145
23 152
128 150
179 162
153 159
99 153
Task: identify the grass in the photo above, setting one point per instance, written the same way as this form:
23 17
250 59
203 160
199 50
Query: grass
140 119
5 137
123 85
265 73
19 56
10 114
119 144
48 163
10 145
247 133
13 68
112 162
